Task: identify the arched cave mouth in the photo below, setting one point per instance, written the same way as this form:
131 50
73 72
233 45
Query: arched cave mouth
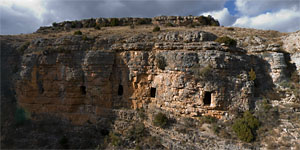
153 92
207 98
120 90
83 90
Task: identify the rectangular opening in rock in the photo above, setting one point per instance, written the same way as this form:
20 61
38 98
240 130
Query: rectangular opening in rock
207 98
120 90
153 92
83 90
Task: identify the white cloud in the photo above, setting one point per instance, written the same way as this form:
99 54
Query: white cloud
286 20
44 12
25 16
223 16
20 6
257 7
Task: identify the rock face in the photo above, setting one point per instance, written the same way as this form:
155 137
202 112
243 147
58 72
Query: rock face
292 45
198 77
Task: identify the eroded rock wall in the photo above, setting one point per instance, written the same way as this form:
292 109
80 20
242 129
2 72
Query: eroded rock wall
85 85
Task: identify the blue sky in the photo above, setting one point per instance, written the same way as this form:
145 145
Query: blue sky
26 16
231 7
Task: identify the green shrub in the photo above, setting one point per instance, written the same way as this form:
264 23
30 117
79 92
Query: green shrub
246 127
266 106
98 27
160 120
137 132
252 75
85 38
21 116
92 24
156 29
104 24
115 140
192 25
295 77
203 20
54 24
141 114
161 62
23 47
114 22
208 119
78 32
202 73
226 40
73 25
169 24
268 116
230 29
131 26
64 142
141 21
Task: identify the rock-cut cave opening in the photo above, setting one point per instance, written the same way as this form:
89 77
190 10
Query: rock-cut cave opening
207 98
83 90
153 92
120 90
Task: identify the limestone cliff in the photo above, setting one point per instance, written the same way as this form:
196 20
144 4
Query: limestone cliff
180 71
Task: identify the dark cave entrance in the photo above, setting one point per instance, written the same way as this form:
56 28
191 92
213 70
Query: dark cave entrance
83 90
207 98
153 92
120 90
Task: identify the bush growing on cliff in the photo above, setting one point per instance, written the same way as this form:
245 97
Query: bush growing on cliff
114 139
137 132
98 27
54 24
156 29
64 142
169 24
23 47
202 73
246 127
160 120
142 21
114 22
208 119
252 75
268 116
161 62
78 32
21 116
226 40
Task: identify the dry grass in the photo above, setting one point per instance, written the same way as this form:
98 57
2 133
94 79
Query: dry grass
126 31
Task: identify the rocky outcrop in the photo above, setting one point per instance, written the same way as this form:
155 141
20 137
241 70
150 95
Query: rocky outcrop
100 79
106 22
198 76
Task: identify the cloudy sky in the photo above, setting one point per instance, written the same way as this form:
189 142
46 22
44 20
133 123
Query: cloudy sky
26 16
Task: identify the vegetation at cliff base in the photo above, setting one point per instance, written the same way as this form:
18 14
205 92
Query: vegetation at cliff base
226 40
114 22
245 127
23 47
156 29
78 32
160 120
252 75
21 116
202 73
161 62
